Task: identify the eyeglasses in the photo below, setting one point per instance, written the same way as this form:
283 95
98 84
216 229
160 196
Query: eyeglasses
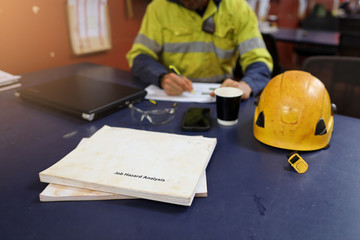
155 116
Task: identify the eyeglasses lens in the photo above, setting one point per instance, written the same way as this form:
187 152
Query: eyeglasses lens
157 116
161 116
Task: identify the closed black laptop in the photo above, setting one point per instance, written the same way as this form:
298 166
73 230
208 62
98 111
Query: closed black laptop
85 97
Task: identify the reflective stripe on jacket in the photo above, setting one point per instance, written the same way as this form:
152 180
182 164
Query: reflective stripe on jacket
173 35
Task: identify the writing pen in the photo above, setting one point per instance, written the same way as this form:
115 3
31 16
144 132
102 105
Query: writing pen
176 71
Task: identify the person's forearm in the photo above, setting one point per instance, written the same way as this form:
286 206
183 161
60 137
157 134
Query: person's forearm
147 69
257 75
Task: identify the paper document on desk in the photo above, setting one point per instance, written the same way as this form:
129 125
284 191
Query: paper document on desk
201 93
55 192
157 166
9 81
7 78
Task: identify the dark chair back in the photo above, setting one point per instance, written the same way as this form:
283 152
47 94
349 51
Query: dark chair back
349 44
349 24
341 77
271 46
328 23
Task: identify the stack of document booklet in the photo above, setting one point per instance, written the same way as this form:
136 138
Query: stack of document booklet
122 163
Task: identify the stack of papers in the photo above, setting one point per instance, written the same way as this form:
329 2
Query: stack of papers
9 81
117 163
201 93
55 192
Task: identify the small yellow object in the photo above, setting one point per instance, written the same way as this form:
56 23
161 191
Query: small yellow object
153 102
174 69
298 163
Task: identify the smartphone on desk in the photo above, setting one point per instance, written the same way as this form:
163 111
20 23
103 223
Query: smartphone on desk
196 119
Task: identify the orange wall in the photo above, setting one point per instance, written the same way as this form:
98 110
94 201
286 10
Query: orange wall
31 42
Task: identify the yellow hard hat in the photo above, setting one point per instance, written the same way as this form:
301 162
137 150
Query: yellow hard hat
294 112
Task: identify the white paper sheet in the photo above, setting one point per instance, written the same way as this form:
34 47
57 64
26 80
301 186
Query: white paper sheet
7 78
201 93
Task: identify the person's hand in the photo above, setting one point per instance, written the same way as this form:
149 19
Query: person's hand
175 85
242 85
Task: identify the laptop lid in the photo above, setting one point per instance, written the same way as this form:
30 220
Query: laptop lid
82 96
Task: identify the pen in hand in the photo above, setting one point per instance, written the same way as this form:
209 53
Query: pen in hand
176 71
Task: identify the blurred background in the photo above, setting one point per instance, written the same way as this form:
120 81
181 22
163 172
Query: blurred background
34 33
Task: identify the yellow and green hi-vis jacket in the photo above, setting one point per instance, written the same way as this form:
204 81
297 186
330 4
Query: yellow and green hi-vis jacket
172 35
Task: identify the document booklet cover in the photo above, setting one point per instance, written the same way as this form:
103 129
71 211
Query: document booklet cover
157 166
